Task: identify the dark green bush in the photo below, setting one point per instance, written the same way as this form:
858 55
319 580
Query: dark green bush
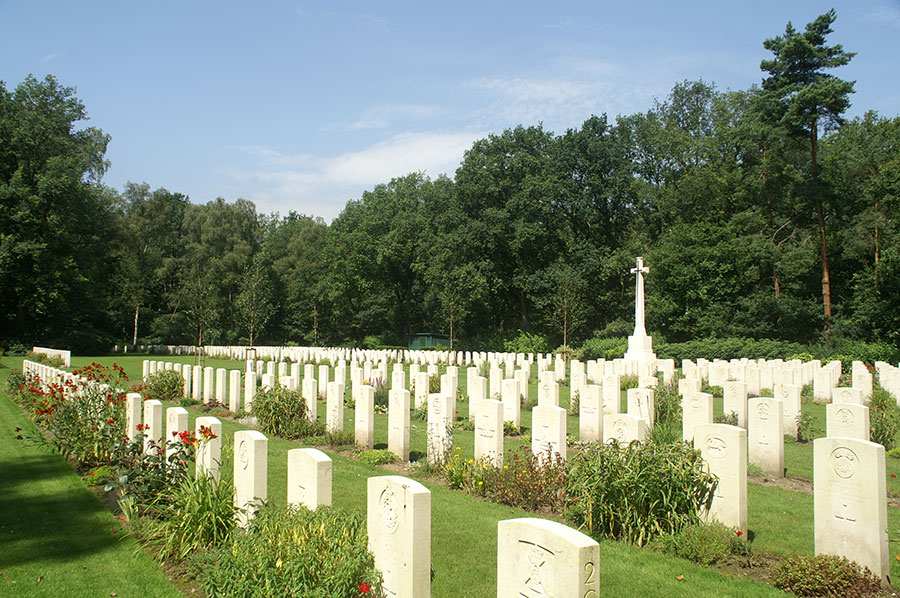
728 348
527 343
167 385
605 348
637 492
294 552
884 419
705 543
824 575
282 412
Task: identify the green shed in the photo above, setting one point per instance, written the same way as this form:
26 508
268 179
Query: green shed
420 340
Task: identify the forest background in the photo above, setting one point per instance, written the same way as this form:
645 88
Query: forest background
761 213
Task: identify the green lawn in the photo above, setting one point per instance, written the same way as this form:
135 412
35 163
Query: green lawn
56 538
464 527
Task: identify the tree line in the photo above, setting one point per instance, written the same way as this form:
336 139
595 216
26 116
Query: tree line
762 213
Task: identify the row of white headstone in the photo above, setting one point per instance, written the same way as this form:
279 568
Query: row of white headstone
534 555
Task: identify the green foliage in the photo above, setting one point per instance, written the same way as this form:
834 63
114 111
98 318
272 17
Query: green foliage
727 418
716 391
728 348
167 385
894 453
381 394
604 348
378 457
54 362
884 419
282 412
526 342
97 476
524 480
628 381
705 543
824 575
637 492
510 429
191 515
807 430
294 552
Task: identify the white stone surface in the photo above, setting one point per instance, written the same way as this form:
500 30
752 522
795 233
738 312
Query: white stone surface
399 532
208 460
845 394
548 393
489 432
334 407
153 416
789 394
850 498
439 433
251 468
734 400
724 448
696 410
765 431
249 390
847 420
309 477
590 414
624 428
548 433
542 558
640 403
134 409
364 418
398 423
234 391
612 393
512 407
176 422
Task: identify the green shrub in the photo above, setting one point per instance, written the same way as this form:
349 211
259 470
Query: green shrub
705 543
716 391
97 476
381 393
511 429
728 348
194 514
894 453
884 419
54 362
730 418
378 457
294 552
527 343
665 433
824 575
627 382
637 492
282 412
807 430
605 348
666 405
15 385
524 480
167 385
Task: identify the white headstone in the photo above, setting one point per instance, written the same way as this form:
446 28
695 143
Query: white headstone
250 473
512 407
640 403
734 400
847 420
153 427
624 428
542 558
724 448
590 414
399 532
176 423
548 434
489 432
309 477
696 410
208 460
364 418
234 391
612 393
850 498
765 430
439 432
398 423
134 408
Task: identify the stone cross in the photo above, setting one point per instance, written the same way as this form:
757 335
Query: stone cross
640 270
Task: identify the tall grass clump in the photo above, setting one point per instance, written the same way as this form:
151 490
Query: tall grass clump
282 412
637 492
884 419
290 551
167 385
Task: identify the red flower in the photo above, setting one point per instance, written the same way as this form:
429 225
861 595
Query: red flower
364 588
739 533
110 421
893 475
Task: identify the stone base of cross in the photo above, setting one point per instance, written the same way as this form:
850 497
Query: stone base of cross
640 348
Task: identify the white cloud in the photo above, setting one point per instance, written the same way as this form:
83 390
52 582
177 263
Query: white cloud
322 185
558 103
48 57
885 15
379 117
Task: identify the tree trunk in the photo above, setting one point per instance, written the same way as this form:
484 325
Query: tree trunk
136 310
820 212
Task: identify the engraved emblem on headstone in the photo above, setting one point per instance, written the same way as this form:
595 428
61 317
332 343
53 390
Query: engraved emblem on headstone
716 447
539 571
845 417
243 454
695 404
390 515
844 462
762 411
619 427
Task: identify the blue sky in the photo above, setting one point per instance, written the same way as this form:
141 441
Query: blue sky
304 105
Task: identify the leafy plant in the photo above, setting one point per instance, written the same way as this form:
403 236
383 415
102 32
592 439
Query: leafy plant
193 514
167 385
705 543
824 575
638 491
884 419
628 381
378 457
291 551
510 429
526 342
54 362
282 412
730 418
806 428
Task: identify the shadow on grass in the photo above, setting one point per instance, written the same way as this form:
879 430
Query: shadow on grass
46 515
